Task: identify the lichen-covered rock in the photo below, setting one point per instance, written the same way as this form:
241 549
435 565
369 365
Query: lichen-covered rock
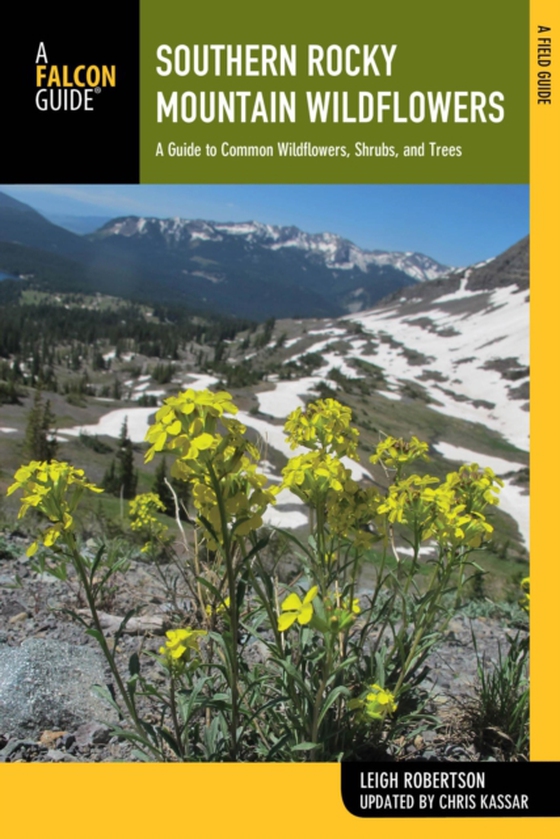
46 684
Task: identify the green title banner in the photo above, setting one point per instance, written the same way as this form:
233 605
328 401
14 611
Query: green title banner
427 92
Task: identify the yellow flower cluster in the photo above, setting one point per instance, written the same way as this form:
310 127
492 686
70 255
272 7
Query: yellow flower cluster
405 501
377 705
450 512
55 490
142 511
222 607
188 425
311 476
395 453
442 512
244 496
180 643
325 425
475 486
352 510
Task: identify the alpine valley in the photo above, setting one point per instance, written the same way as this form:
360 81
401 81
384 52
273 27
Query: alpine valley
106 325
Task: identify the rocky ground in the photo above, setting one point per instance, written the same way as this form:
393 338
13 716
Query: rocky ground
48 665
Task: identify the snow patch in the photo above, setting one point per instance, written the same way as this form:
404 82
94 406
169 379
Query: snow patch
110 424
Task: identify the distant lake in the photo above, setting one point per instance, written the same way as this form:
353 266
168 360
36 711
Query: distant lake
4 276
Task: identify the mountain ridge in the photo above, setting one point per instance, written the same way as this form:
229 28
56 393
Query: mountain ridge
245 269
339 253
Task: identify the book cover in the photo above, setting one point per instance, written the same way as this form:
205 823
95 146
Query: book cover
304 115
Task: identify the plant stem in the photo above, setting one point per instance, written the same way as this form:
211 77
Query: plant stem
81 571
232 612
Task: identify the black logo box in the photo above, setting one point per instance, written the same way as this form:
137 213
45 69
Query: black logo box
97 145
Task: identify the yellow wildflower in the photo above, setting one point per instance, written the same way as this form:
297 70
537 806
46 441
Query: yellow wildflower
220 608
475 487
311 476
180 643
377 704
187 423
293 608
142 511
394 453
324 425
55 489
351 511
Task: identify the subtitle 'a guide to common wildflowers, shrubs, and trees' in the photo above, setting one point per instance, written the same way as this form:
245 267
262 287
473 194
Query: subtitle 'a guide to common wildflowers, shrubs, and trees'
308 497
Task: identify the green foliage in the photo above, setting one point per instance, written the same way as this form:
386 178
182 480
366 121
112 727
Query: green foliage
500 713
241 375
121 478
98 362
40 440
163 373
263 338
9 392
92 441
77 388
147 400
304 366
8 550
62 319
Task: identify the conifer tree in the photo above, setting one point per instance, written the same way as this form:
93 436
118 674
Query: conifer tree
121 478
40 440
125 456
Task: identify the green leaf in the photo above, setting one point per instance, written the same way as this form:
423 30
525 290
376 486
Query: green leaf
95 633
240 593
295 674
341 690
215 591
171 741
209 528
304 747
189 704
262 543
278 746
122 626
134 665
103 692
292 538
97 559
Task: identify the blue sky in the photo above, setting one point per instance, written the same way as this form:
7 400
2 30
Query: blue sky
455 224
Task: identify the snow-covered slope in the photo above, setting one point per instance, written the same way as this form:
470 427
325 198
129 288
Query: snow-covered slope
470 353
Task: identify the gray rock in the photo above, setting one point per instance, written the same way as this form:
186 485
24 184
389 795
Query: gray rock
56 756
93 734
12 746
46 684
